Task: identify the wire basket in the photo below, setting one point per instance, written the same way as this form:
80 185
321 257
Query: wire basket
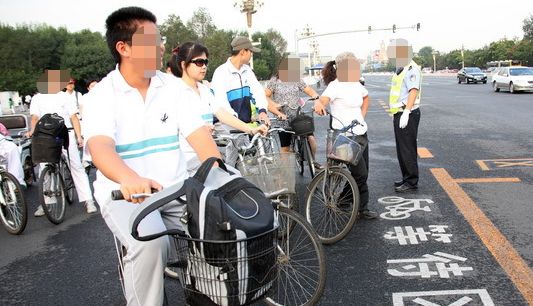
272 173
303 124
235 272
342 148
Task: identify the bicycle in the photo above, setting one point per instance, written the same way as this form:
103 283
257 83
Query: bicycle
302 127
13 208
332 201
301 257
53 193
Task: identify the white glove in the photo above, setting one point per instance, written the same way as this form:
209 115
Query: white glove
404 119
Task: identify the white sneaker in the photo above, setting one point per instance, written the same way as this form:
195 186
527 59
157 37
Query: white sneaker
90 207
39 212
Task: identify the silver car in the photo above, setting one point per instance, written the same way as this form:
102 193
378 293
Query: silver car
514 78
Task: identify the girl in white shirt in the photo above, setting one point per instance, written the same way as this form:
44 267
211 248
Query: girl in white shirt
189 63
348 100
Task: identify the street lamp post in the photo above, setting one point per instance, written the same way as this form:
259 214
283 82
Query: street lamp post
434 53
249 7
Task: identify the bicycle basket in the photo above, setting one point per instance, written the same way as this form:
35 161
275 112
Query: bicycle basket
303 124
244 274
342 148
272 173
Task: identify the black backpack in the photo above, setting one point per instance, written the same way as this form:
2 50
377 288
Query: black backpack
222 207
49 137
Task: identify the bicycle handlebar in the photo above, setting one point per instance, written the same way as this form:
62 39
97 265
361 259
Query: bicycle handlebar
234 135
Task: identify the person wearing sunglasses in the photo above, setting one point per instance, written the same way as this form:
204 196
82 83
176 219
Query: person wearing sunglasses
189 63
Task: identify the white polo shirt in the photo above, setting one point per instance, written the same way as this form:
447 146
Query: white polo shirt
57 103
206 107
346 99
147 134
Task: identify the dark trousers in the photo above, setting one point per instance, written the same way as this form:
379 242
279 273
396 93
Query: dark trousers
406 146
360 174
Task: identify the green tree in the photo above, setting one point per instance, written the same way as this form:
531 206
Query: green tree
25 51
528 28
87 56
424 57
201 24
219 45
175 32
271 52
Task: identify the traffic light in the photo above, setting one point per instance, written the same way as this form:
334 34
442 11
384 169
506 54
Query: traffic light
418 26
369 29
393 28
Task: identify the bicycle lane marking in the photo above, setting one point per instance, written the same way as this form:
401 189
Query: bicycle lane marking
500 248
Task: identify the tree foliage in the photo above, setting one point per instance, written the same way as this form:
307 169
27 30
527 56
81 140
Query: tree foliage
528 28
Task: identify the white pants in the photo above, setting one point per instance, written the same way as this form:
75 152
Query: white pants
79 176
11 153
144 262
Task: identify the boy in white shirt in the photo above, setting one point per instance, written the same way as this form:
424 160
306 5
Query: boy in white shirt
133 118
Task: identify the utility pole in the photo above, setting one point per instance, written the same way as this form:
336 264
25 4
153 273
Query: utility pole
249 7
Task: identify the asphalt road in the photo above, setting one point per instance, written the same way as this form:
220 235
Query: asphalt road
453 255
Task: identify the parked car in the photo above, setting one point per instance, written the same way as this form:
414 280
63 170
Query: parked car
514 78
471 75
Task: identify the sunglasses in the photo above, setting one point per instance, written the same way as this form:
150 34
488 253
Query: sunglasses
200 62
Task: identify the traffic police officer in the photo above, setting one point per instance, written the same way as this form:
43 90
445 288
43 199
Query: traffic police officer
404 103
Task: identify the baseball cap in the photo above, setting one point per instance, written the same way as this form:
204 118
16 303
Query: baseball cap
241 42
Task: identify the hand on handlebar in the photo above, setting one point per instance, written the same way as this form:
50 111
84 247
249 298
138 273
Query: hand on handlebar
319 108
137 185
263 129
282 116
264 118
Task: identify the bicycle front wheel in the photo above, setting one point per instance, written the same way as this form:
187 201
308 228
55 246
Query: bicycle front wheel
298 149
52 194
301 264
332 204
13 209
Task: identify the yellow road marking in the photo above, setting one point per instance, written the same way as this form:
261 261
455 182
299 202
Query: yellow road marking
424 152
502 250
488 180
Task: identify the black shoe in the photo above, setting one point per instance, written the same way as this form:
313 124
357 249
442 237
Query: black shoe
405 187
368 214
398 183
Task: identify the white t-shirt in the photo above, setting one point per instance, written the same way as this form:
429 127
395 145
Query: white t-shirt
57 103
206 106
147 133
346 99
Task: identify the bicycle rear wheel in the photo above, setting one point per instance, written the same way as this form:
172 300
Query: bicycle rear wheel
332 204
301 264
52 194
13 209
67 180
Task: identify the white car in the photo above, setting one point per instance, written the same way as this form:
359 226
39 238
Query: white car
514 78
